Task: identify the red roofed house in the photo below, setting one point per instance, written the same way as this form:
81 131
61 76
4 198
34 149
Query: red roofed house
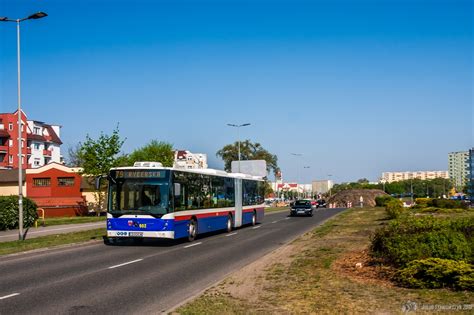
40 145
57 189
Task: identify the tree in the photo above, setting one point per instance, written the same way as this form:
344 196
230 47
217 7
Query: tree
73 159
155 151
97 157
248 151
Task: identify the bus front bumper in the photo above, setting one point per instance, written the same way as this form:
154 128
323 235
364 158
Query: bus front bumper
144 234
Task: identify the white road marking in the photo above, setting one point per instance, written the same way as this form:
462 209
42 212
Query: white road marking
256 227
275 221
9 296
287 218
231 234
195 244
127 263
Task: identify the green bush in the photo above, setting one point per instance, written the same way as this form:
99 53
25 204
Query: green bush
423 202
9 212
394 208
411 238
433 273
381 201
448 204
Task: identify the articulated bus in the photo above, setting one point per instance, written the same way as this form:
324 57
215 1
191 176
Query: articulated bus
151 201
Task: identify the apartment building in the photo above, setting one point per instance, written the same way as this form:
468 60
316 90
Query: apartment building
470 187
322 186
458 166
389 177
41 143
186 160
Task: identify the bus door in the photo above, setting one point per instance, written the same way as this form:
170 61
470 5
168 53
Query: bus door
238 202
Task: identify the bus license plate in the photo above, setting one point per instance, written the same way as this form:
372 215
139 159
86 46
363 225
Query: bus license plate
136 234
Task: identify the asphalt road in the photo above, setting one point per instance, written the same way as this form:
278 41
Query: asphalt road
147 278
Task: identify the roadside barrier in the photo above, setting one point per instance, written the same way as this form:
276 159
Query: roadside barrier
42 217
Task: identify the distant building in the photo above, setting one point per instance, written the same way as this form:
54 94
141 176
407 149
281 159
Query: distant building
470 187
322 186
458 168
40 146
54 187
186 160
390 177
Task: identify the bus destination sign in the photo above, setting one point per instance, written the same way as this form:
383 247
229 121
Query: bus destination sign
140 174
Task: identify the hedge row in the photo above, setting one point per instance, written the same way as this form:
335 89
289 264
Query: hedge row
434 273
407 239
440 203
381 201
9 212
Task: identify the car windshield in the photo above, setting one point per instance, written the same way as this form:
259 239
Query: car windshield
139 196
302 203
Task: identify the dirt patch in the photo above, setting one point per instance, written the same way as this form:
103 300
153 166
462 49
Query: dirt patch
342 198
359 266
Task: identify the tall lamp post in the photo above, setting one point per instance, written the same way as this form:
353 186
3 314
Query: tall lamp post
304 189
35 16
297 173
329 184
238 135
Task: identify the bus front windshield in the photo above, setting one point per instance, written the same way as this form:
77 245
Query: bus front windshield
139 196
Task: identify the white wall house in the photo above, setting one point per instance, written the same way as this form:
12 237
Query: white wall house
186 160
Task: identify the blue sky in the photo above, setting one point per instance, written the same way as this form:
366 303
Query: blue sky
357 87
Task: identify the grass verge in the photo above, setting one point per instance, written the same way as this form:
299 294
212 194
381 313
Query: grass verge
308 278
70 220
50 241
273 209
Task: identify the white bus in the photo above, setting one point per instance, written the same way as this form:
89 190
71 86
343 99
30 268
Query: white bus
152 201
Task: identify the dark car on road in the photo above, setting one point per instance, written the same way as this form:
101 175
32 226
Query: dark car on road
302 207
321 203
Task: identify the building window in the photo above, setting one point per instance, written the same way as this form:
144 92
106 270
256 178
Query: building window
65 181
41 182
36 146
10 126
37 131
10 143
36 162
10 159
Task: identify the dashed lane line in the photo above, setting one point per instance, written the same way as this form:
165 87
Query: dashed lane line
195 244
9 296
127 263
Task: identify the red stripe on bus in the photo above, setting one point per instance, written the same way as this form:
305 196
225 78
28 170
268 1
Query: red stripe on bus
202 215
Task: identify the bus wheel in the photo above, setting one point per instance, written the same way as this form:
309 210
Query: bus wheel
192 230
110 240
229 224
254 218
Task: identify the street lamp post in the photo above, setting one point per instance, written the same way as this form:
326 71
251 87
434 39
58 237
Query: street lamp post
297 173
238 136
329 184
304 189
35 16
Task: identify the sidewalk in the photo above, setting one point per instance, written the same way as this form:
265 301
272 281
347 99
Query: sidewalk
12 235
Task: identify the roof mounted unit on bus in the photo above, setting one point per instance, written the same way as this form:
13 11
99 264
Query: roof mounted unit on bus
147 164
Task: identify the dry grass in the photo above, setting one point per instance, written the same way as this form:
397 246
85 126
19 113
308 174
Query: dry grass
317 274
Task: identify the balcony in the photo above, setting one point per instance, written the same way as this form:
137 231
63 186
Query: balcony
47 152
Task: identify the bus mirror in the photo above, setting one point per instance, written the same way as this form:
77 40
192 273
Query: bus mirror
97 182
177 189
